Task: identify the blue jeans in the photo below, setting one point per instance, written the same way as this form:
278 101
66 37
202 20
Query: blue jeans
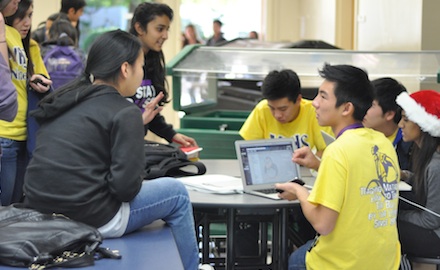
167 199
297 260
13 166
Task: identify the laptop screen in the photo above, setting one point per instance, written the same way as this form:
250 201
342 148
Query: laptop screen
268 163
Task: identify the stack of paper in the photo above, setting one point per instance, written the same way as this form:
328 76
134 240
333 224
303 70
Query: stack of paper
213 183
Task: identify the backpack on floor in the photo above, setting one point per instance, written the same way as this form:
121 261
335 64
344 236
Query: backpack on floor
64 64
169 160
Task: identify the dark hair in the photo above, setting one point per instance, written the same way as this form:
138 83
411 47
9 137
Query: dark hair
62 33
75 4
106 55
23 7
385 91
57 16
281 84
351 85
217 21
3 4
421 156
154 61
254 33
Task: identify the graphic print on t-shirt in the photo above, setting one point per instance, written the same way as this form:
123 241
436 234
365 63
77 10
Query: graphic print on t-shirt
383 190
144 94
300 139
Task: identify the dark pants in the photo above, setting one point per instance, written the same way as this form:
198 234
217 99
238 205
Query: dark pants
418 241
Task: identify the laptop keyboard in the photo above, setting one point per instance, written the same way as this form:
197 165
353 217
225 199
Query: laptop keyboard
267 190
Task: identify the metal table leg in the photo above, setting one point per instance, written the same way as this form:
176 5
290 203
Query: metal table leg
230 250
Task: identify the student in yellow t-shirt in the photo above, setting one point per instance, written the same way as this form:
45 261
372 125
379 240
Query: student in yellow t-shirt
24 70
284 113
353 203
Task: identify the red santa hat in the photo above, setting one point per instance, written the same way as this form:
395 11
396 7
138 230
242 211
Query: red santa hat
423 108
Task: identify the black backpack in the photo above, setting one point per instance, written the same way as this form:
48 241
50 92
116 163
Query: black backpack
169 160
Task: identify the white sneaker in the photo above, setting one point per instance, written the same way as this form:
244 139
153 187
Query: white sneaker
206 267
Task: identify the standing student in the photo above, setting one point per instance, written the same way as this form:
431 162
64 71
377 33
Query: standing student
74 9
91 170
353 203
8 95
190 36
150 24
217 38
63 59
384 116
14 135
253 35
41 34
22 22
419 230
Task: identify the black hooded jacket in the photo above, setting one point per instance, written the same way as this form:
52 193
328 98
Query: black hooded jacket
89 156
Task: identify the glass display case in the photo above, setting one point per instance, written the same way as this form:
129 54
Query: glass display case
217 87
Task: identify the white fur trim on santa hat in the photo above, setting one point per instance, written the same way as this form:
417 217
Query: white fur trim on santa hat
417 113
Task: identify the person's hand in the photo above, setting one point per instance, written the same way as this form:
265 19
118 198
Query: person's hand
40 83
405 175
290 190
304 157
152 109
183 140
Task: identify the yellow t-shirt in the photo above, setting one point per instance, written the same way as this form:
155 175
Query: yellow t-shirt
39 67
16 130
304 129
358 178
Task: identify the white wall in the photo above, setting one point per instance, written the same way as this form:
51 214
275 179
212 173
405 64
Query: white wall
318 20
43 9
388 25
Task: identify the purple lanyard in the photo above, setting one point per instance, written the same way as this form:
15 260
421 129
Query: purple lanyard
352 126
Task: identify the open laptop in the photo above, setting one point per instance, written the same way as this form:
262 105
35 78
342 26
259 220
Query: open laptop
264 163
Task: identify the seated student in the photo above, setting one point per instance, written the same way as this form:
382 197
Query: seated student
384 116
284 113
91 169
419 230
62 57
353 203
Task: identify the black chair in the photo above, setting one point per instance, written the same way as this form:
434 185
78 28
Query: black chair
435 261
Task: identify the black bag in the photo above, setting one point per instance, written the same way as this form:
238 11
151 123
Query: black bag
32 239
169 160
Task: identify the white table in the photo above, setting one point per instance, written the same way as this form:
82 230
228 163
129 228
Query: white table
231 206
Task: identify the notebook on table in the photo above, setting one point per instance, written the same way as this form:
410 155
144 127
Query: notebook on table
264 163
